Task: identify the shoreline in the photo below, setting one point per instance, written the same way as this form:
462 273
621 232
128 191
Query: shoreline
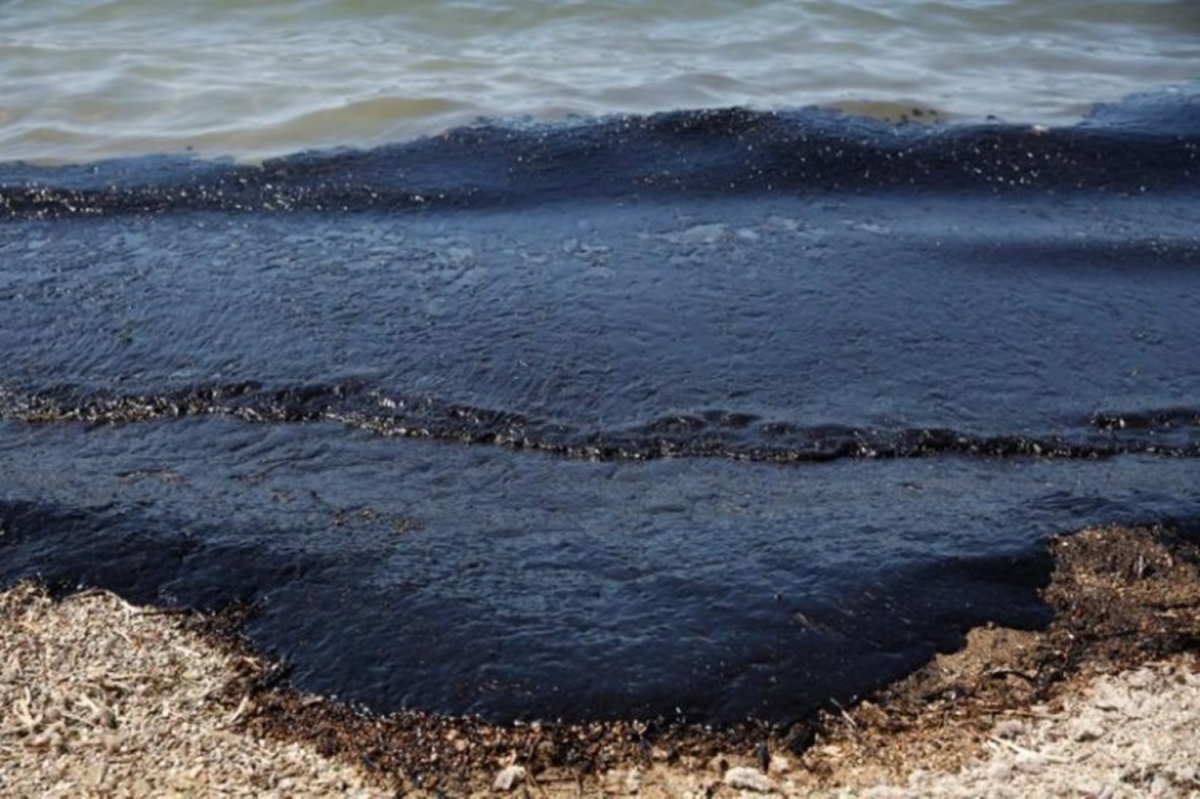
106 699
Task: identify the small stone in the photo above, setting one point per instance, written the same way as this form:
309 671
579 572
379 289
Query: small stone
873 715
509 778
748 779
1185 774
780 764
1008 729
1031 763
1161 786
1107 696
1088 727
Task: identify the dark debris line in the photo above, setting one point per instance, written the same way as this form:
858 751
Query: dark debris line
732 150
715 434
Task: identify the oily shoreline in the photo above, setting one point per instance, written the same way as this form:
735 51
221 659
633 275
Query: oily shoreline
1122 597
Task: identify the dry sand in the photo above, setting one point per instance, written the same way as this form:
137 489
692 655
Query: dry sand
100 698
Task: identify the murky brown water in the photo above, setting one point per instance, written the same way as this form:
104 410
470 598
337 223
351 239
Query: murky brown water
96 78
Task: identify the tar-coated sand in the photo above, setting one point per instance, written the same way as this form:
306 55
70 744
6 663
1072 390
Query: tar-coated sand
101 698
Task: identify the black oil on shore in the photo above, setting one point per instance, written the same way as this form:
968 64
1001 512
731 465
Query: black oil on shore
703 416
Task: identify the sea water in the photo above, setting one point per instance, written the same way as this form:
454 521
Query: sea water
91 79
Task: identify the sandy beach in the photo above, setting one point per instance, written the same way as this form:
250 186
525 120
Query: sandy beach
104 699
581 399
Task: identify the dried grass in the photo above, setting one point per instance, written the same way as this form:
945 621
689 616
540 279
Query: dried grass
100 698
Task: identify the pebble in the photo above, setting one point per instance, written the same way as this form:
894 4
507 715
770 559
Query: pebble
1008 729
1086 728
748 779
1107 696
509 778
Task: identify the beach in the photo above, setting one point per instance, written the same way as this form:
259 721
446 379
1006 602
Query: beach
103 698
587 398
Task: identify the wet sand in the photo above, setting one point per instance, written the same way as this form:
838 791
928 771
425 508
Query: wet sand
102 698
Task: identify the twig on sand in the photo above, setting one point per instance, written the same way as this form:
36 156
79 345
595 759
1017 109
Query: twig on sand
1029 678
849 719
1020 750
